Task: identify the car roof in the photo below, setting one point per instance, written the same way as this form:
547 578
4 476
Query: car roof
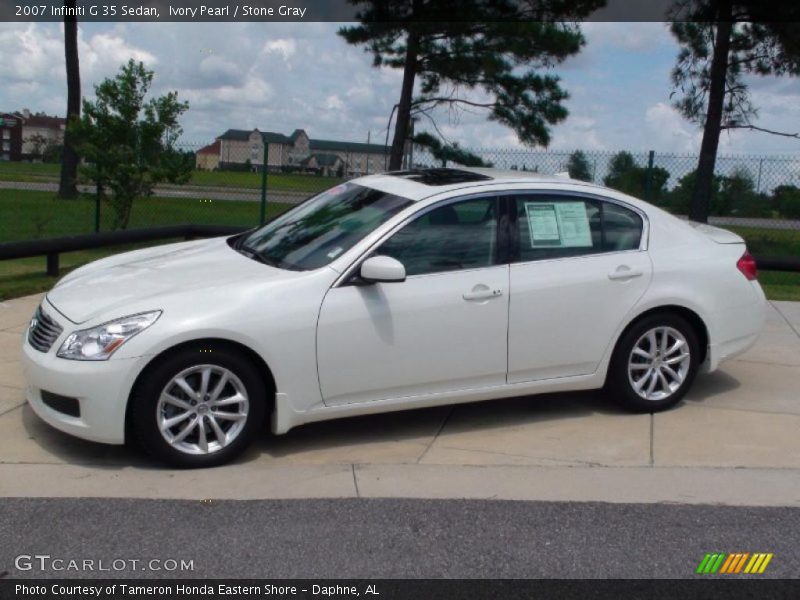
417 184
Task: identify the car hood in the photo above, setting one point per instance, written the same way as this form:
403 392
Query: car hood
106 287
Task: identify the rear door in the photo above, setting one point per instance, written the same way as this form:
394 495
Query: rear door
578 268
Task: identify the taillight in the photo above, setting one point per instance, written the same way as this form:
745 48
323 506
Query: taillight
747 265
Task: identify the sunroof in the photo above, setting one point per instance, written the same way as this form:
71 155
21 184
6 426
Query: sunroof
440 176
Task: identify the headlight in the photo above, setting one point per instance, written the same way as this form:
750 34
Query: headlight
98 343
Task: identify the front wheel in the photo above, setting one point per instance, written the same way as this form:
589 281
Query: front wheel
199 407
654 364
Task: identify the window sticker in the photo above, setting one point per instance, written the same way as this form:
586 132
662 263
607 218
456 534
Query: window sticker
558 225
543 224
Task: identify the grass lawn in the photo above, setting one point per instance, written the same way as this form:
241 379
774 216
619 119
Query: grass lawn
770 242
27 276
275 181
43 172
25 171
780 286
26 215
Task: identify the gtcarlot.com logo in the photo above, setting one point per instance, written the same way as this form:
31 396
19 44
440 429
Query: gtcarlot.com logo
735 563
46 562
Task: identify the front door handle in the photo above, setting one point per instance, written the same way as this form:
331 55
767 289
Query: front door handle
482 294
624 273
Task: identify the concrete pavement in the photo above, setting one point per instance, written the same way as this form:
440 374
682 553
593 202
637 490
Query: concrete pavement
733 441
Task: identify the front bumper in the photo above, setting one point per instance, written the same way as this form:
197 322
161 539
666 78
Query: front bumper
101 388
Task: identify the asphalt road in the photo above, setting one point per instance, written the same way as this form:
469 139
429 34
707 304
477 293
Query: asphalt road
360 538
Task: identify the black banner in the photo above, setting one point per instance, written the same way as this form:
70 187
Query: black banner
325 10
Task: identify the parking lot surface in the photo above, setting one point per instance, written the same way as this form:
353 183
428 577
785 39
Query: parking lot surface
734 441
388 538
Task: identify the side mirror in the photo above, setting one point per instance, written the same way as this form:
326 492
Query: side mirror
382 269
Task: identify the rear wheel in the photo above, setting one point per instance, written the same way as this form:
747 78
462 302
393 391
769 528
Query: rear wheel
199 407
654 364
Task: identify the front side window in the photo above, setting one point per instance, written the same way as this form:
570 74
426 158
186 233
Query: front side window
562 226
323 228
452 237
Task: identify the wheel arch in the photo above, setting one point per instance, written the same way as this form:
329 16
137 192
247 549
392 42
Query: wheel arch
695 320
263 369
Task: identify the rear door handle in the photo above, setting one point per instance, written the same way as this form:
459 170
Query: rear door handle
624 273
483 294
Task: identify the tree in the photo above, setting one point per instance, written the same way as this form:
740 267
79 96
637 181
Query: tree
722 42
67 186
128 143
578 166
681 196
628 177
497 46
445 152
738 196
38 143
786 199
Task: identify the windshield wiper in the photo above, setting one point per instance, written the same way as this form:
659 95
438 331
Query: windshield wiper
251 253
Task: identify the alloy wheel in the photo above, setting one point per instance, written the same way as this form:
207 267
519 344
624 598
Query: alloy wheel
202 409
659 363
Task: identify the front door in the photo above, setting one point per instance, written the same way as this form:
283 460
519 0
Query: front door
443 329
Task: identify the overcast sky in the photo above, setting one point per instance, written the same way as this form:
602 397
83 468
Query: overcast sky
279 77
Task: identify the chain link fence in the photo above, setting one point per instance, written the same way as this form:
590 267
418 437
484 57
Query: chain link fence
758 196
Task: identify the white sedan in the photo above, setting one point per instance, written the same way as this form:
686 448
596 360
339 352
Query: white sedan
395 291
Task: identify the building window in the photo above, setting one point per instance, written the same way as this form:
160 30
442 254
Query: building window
6 134
5 157
6 146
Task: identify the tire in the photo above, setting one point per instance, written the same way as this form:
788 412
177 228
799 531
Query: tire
658 382
236 405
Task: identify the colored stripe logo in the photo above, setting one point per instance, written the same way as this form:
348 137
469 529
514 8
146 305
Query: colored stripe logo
734 563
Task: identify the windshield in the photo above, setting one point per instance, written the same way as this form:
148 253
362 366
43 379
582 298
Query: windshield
316 232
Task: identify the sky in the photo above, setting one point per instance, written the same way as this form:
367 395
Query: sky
283 76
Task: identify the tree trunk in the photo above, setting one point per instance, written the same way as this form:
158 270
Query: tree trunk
67 187
401 127
700 205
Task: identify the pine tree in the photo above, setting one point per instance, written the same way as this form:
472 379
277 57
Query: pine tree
505 48
722 41
67 187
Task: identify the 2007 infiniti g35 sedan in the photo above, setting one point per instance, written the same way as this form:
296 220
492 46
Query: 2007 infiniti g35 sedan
395 291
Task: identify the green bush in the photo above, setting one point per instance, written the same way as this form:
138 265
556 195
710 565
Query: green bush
786 199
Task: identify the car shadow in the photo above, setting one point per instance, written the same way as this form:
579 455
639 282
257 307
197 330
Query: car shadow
419 426
711 385
338 441
55 446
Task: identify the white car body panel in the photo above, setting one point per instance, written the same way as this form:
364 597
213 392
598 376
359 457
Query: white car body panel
565 312
380 342
336 350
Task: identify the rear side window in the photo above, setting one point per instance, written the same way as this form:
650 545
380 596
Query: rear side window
563 226
622 228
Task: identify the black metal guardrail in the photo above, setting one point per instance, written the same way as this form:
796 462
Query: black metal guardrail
51 248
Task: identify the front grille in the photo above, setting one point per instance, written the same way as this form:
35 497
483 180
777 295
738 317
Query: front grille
43 331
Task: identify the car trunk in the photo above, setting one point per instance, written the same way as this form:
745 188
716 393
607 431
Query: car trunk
721 236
